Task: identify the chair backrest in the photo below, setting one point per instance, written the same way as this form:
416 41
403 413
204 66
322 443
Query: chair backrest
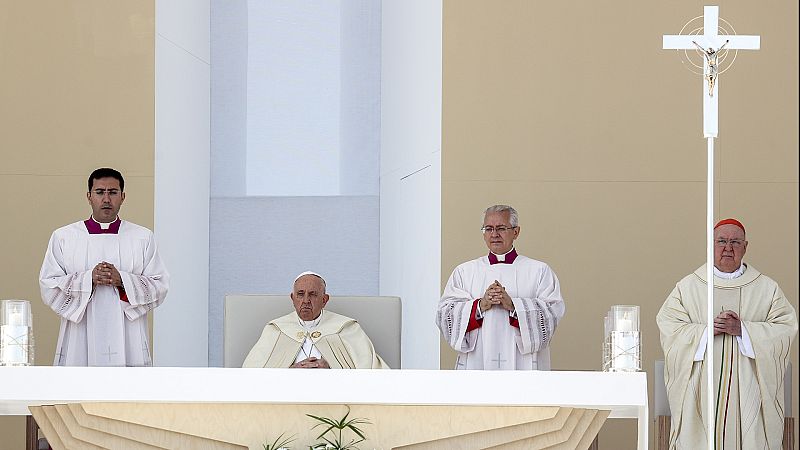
661 406
246 316
662 403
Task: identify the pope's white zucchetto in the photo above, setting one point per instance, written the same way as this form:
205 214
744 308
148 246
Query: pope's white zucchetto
309 273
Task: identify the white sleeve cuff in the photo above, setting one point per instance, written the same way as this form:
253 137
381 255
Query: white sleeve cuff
701 347
745 345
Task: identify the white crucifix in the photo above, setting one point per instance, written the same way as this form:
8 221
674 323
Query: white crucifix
710 43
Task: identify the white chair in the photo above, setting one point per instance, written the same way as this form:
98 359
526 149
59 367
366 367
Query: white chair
664 417
246 316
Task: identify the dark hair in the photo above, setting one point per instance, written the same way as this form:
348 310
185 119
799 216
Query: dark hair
105 172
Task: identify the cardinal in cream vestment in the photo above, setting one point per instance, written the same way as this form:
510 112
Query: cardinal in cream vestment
754 329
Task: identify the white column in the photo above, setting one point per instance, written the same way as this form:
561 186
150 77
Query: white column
180 336
410 195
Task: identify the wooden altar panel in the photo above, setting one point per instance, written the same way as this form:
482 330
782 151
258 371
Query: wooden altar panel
154 436
148 426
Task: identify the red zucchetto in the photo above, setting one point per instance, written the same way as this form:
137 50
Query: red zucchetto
729 222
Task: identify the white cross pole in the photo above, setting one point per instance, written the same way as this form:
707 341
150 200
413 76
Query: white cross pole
710 40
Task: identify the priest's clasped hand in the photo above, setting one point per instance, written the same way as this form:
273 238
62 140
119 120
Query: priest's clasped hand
496 295
311 363
106 274
727 322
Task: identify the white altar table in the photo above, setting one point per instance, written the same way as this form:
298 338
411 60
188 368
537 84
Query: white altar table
623 394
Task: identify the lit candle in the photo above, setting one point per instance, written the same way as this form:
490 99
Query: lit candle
624 325
15 316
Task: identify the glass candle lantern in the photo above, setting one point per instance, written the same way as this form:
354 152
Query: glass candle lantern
16 333
622 340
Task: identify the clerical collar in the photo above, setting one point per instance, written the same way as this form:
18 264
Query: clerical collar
311 324
95 227
730 275
505 258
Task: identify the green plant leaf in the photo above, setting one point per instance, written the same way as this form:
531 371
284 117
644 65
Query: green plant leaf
279 442
351 424
340 425
323 421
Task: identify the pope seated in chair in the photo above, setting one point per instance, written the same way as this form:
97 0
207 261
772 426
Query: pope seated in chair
312 338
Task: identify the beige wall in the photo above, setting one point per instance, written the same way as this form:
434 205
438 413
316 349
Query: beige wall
572 113
76 93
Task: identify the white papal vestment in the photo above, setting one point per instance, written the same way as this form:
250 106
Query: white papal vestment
337 339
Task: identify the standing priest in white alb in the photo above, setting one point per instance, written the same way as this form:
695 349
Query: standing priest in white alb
102 276
499 312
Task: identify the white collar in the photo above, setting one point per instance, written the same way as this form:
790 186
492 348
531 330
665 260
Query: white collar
103 226
501 258
730 275
311 324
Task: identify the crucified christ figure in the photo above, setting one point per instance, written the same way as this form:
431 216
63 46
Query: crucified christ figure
711 56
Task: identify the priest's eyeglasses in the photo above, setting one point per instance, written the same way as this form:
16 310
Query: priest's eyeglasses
735 243
101 192
500 229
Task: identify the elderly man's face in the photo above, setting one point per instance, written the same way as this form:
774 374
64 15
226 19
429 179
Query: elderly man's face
729 247
309 297
499 242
